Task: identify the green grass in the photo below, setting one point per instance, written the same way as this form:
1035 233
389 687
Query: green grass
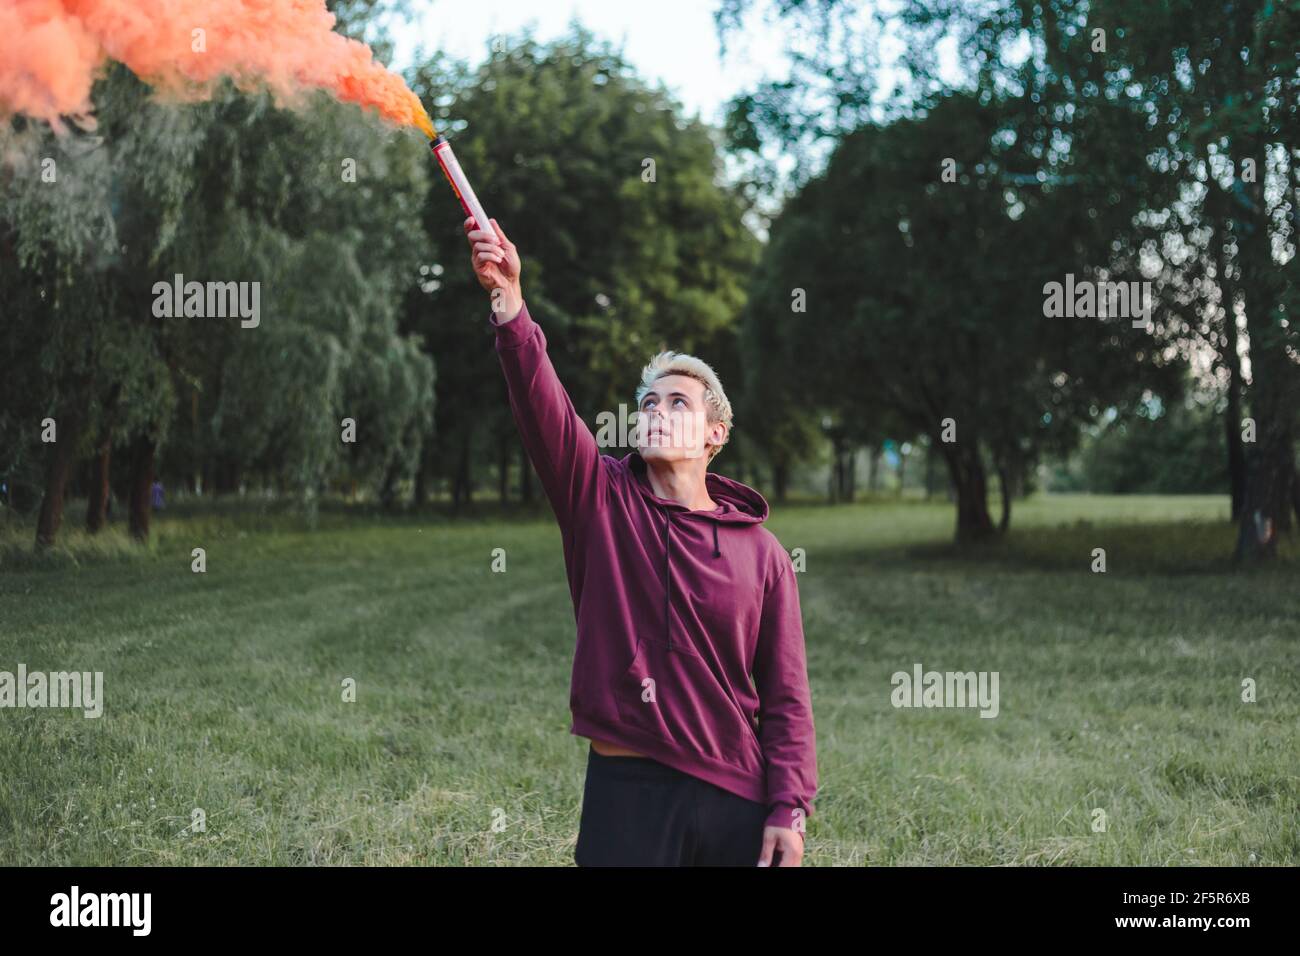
1119 691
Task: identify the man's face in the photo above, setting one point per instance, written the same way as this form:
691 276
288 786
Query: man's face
672 422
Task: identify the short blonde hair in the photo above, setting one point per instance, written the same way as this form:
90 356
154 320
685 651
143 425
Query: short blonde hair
677 363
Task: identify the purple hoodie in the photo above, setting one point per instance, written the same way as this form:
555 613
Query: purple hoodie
675 608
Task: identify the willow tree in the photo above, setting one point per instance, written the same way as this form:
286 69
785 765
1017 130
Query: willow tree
317 210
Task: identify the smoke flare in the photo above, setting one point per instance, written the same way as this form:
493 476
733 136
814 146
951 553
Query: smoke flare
52 50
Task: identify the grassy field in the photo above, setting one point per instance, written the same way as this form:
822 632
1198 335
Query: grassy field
1120 692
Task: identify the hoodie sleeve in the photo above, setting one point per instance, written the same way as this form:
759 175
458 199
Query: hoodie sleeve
559 443
785 727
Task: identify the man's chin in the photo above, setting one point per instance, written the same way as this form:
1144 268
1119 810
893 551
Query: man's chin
666 453
660 452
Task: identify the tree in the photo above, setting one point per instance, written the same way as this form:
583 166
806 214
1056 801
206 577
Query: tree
317 210
917 311
630 243
1206 95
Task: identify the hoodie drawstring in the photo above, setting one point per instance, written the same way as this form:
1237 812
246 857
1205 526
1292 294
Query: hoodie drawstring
668 581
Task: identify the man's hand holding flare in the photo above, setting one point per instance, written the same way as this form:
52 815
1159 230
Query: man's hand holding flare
497 266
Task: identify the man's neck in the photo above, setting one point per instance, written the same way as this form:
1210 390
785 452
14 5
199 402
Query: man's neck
682 482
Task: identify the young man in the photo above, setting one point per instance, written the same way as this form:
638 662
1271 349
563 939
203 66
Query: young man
689 674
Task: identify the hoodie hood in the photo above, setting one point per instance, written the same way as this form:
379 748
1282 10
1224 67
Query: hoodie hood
737 502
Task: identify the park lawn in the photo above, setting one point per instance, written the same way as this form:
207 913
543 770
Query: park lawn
1119 692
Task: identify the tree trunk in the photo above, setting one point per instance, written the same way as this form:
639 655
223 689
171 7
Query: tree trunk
196 462
929 471
525 476
97 498
57 469
1273 378
843 462
780 479
98 493
461 493
142 459
833 475
971 491
388 488
420 491
227 480
1004 483
503 472
1232 427
1258 529
1228 353
1288 477
1295 494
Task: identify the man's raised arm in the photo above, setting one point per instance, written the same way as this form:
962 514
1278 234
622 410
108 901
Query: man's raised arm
559 443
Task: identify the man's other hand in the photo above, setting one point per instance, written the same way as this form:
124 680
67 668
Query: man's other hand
787 841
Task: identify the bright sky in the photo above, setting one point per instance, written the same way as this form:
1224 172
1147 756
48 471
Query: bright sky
670 40
673 42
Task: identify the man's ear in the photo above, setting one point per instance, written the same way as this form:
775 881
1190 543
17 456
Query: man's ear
718 432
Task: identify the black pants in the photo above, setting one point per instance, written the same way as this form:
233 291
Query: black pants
639 812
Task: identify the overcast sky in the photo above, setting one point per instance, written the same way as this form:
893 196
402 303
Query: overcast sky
674 41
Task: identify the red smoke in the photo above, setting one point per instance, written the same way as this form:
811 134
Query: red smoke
51 51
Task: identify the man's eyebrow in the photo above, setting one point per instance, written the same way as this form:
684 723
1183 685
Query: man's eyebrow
670 395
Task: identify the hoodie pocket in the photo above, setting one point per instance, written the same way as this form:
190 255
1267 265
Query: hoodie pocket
673 695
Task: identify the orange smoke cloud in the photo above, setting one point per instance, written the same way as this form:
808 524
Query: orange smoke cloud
52 50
